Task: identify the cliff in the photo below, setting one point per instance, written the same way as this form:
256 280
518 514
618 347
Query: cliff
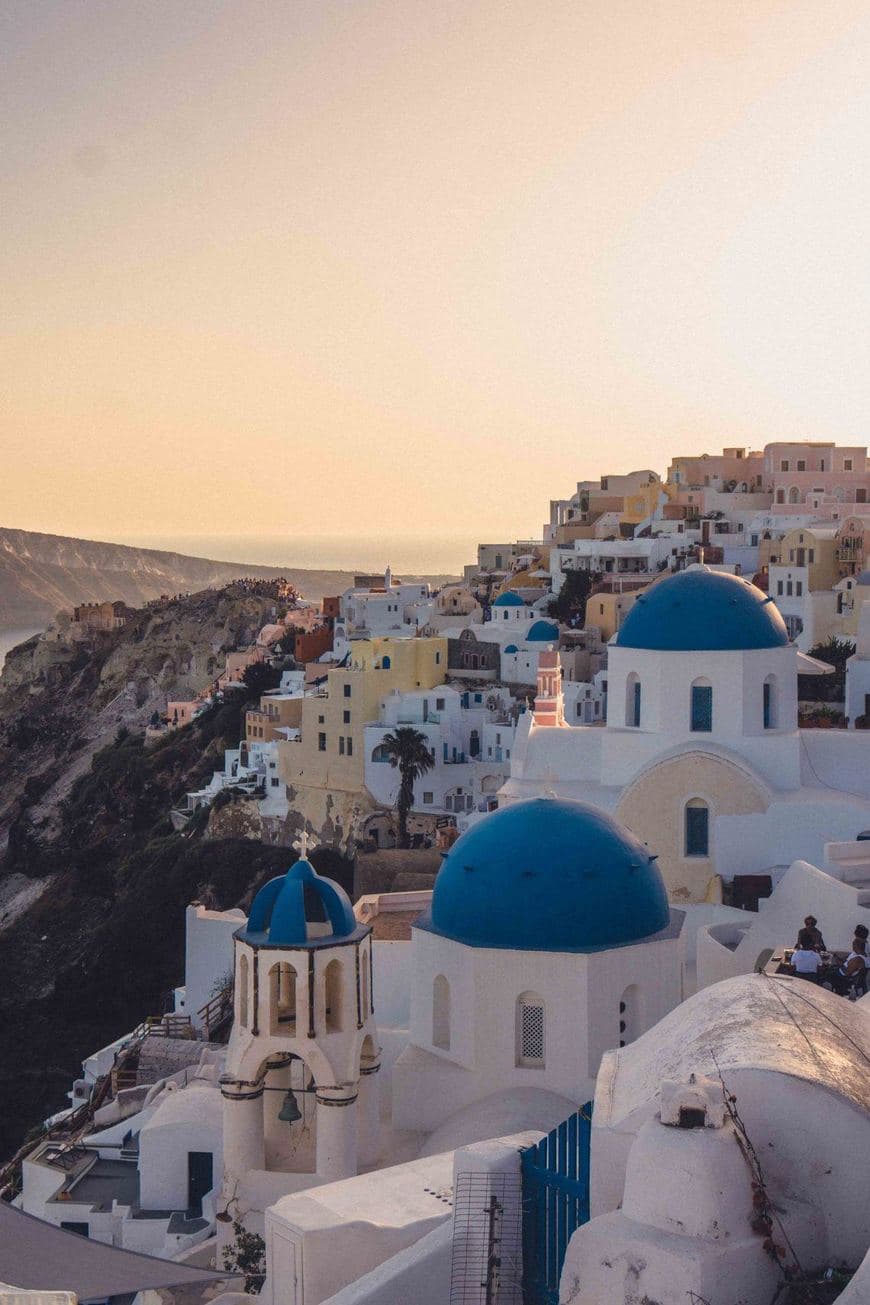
42 574
93 880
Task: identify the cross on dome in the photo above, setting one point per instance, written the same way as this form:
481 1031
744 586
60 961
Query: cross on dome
305 843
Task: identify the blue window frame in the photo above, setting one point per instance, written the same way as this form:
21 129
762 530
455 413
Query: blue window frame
635 720
768 716
697 830
702 708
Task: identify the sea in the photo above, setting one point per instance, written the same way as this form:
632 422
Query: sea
411 554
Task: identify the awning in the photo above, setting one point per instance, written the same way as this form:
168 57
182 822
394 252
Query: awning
811 666
39 1256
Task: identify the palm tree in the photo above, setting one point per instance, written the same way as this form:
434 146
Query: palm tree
408 751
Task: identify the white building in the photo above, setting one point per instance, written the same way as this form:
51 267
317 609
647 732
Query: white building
619 557
701 756
470 742
397 609
858 671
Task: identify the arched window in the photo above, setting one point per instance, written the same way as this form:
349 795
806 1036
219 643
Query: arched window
441 1013
385 663
632 700
702 707
381 753
530 1031
839 494
333 988
282 998
629 1015
697 827
780 496
364 986
242 1001
794 495
769 703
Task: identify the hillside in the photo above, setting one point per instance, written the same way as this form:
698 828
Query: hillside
41 574
93 880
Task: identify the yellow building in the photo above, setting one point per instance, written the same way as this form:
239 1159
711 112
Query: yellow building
324 771
607 611
814 549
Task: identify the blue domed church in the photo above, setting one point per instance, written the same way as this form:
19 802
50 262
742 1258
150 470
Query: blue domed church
701 756
549 940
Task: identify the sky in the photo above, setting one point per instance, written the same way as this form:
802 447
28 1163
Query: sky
413 268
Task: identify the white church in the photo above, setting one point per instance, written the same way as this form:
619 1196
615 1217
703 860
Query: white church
525 1077
701 755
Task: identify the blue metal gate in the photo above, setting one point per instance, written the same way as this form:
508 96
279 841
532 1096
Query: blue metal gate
555 1203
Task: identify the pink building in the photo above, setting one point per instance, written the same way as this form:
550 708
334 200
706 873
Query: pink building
731 470
816 477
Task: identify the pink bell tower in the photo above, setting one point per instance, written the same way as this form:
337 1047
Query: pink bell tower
549 702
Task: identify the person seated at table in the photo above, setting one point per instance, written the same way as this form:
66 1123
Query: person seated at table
854 967
806 961
814 934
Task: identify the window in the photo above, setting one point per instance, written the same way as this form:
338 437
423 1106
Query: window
702 707
629 1015
788 588
439 704
349 746
697 828
783 466
385 663
282 998
347 690
801 466
847 464
321 720
437 658
811 555
341 745
780 496
791 554
632 700
779 588
798 587
275 782
333 996
530 1033
381 753
346 717
441 1013
321 743
861 494
428 798
770 703
242 1004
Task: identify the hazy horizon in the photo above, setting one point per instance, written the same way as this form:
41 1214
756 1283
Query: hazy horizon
410 268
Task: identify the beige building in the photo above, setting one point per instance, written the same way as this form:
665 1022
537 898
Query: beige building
275 712
325 770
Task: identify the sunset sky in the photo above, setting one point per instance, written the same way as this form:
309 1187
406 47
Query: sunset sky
417 266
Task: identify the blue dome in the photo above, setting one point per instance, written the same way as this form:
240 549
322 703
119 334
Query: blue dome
511 648
703 611
509 599
548 875
543 631
299 908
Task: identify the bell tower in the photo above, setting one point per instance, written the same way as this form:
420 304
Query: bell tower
549 701
300 1088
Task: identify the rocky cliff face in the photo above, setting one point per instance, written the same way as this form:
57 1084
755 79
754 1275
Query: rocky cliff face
41 574
93 880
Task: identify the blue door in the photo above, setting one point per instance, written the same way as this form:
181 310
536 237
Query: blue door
555 1203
